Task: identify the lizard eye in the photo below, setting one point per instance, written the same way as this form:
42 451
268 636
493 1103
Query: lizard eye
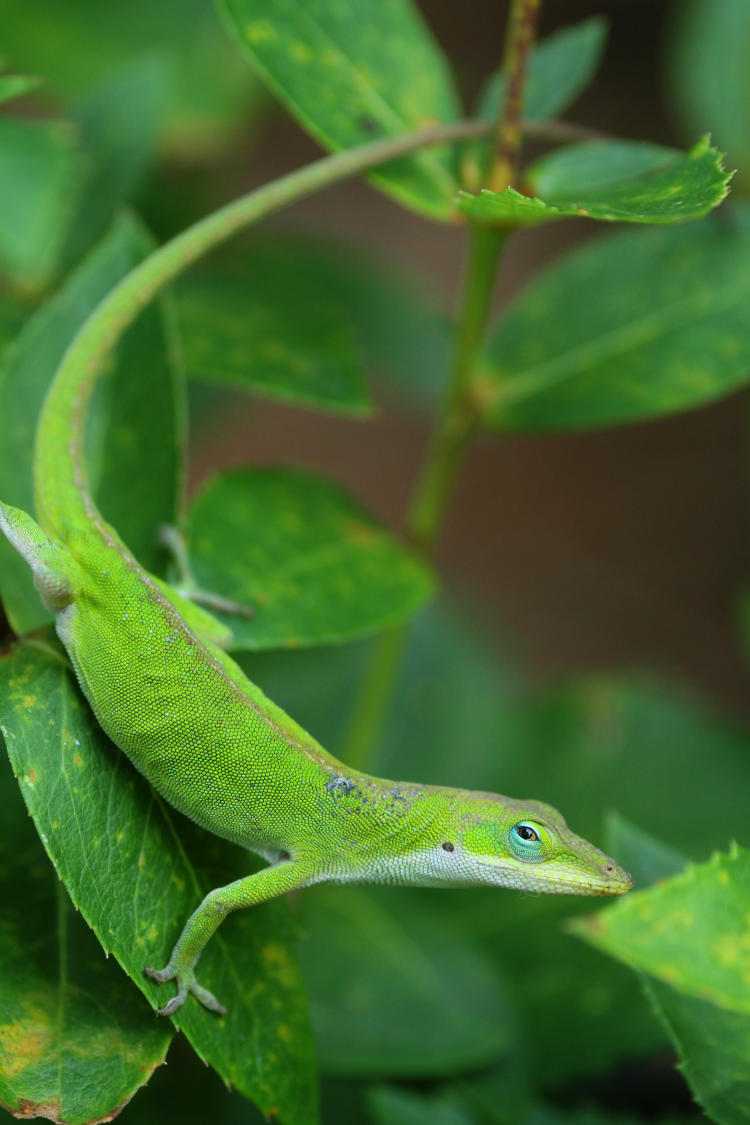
526 841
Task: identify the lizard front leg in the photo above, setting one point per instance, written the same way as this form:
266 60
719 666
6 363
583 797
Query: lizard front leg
279 879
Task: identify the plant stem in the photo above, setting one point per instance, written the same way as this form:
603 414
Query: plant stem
459 416
519 40
451 436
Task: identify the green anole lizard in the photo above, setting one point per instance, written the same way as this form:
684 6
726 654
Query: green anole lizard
152 666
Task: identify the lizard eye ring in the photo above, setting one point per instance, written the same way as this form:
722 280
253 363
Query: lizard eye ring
526 841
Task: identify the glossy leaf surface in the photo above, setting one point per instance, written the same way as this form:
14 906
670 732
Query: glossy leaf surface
690 932
690 935
135 870
658 186
350 74
633 326
65 1011
314 567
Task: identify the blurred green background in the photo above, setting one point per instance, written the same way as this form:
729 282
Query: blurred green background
586 648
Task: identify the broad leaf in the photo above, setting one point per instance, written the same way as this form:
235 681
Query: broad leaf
119 123
135 457
80 46
714 1048
387 976
65 1011
636 325
644 856
561 67
399 333
391 1106
708 49
353 73
659 185
691 935
39 175
135 870
15 85
690 932
313 566
251 336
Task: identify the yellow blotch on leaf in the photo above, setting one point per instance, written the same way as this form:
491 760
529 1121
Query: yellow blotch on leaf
261 31
24 1043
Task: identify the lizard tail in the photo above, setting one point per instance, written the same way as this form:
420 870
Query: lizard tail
54 568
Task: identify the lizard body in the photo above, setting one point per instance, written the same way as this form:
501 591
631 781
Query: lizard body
152 667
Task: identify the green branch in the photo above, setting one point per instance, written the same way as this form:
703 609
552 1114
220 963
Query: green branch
459 416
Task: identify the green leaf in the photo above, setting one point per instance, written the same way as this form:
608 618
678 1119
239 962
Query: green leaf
54 1024
246 332
659 185
371 954
636 325
135 870
39 177
691 931
135 455
15 85
708 51
691 935
561 67
399 333
311 563
714 1049
646 858
119 124
350 74
391 1106
81 46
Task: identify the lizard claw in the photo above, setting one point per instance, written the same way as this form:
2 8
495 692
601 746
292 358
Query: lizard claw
186 983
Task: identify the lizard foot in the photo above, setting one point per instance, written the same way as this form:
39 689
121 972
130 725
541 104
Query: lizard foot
186 983
174 541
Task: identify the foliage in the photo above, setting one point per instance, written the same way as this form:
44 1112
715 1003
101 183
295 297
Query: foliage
493 999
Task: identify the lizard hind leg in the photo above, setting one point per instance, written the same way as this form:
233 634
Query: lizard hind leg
52 565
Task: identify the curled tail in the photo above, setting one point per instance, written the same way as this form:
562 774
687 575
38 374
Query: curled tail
53 567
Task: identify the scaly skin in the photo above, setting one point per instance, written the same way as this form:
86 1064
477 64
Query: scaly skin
207 738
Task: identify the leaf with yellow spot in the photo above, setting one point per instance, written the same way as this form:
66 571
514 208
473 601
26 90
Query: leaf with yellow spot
63 1005
612 181
135 889
313 565
352 72
639 324
691 935
691 931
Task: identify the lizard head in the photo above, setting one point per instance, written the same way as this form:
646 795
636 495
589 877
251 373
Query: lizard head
528 845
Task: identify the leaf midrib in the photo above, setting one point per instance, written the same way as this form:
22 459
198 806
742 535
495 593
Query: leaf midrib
615 343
